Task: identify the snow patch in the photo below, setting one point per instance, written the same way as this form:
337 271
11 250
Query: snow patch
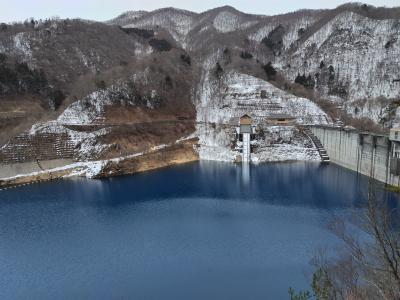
22 45
226 22
355 46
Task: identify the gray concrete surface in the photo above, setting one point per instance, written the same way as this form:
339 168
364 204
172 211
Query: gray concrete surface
364 153
10 170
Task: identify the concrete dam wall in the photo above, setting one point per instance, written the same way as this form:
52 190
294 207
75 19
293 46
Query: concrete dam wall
362 152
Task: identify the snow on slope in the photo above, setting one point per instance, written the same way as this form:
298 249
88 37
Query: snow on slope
262 32
227 21
363 51
86 144
292 30
87 110
90 109
291 34
21 44
241 93
215 142
220 104
356 47
127 18
283 143
376 110
177 22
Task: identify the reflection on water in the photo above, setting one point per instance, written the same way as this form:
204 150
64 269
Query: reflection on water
304 184
246 173
210 230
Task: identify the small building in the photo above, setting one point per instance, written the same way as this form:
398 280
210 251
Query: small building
263 94
395 134
245 123
281 119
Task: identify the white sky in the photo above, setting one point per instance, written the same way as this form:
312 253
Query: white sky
19 10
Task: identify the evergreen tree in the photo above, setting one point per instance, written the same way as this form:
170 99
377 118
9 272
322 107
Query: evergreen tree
218 70
246 55
3 58
331 73
270 71
300 79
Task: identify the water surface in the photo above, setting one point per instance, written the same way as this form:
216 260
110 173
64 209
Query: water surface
197 231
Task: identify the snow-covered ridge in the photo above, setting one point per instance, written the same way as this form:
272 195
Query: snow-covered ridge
363 52
177 22
126 18
292 29
226 22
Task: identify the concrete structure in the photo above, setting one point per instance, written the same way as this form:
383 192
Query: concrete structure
246 147
366 153
394 137
25 148
281 119
244 133
15 169
245 123
394 134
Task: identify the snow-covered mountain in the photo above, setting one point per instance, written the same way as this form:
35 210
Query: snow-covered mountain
363 53
360 43
127 18
99 90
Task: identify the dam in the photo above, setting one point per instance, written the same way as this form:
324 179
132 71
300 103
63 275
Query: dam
366 153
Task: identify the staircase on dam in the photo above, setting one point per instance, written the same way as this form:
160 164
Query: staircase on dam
321 150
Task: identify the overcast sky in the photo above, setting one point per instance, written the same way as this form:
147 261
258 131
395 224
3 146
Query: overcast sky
17 10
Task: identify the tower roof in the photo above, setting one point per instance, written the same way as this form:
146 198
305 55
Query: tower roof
245 120
245 116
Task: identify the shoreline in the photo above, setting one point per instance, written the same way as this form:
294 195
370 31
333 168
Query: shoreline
181 152
155 158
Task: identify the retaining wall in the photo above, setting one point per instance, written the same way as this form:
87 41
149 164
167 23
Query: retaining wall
11 170
364 153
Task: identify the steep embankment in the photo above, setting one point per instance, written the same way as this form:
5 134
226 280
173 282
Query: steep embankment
130 118
46 65
353 58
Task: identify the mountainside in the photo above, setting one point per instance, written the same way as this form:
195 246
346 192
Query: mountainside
103 90
224 100
356 40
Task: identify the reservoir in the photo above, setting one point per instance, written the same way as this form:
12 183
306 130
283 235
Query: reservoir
203 230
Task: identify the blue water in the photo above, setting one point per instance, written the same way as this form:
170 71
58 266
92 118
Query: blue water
195 231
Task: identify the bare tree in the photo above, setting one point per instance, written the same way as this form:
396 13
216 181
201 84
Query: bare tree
368 264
